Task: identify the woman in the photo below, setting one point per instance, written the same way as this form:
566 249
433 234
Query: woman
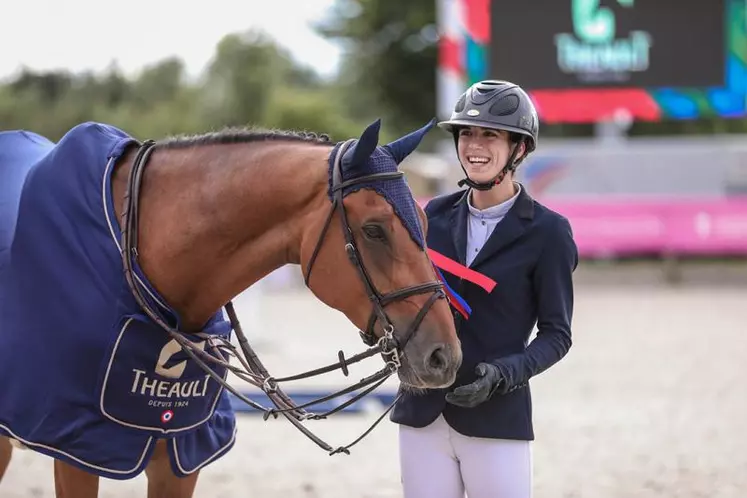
474 436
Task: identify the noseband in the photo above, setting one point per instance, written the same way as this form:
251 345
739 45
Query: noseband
390 343
219 350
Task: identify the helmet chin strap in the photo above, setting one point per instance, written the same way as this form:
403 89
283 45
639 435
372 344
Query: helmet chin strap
497 179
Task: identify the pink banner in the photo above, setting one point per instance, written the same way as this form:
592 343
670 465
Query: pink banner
615 226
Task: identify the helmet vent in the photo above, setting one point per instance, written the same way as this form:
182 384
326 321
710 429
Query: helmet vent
487 83
505 106
459 107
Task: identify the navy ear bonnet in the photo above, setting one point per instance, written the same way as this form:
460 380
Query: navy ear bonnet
365 157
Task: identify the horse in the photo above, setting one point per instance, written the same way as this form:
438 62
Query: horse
118 263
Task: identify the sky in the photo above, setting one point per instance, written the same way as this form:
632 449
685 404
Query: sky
89 34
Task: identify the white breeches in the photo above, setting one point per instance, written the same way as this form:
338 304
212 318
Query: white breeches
438 462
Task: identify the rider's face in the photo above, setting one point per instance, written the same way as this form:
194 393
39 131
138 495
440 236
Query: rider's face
484 152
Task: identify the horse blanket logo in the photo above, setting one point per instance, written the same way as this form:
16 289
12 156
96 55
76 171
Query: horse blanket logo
81 377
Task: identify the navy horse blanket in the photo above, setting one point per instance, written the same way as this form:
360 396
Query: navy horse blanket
86 377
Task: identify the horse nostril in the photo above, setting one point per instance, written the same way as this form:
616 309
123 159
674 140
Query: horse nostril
438 359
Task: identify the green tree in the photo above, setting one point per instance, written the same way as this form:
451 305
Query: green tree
241 78
250 81
158 82
390 69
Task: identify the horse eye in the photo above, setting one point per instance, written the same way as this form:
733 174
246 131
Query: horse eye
374 232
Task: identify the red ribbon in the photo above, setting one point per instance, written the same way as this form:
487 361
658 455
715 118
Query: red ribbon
461 271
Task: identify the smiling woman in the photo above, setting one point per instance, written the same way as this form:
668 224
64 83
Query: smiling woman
475 435
484 152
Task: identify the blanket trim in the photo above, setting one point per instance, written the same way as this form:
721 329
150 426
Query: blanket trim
177 465
108 205
53 452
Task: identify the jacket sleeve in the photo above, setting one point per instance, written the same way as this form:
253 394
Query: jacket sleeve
553 287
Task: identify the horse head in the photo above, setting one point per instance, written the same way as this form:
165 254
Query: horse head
371 263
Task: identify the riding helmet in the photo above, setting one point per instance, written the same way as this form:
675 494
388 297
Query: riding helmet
496 104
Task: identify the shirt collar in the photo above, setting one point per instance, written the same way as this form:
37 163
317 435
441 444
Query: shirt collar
494 212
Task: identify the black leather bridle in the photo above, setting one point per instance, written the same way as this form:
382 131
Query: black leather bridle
378 300
218 350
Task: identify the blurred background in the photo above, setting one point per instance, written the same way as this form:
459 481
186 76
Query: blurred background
643 146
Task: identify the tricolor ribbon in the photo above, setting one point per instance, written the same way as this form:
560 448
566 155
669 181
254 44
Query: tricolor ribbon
455 300
441 262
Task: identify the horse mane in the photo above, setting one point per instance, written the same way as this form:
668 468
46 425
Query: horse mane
233 135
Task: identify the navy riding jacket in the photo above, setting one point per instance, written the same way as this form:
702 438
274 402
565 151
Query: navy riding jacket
531 255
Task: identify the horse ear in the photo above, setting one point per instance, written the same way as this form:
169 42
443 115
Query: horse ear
403 147
361 150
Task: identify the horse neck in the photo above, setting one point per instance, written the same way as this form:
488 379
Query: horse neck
214 219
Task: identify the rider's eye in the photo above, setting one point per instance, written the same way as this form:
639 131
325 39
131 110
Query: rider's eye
375 233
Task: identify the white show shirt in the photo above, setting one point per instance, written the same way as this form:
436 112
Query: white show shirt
483 222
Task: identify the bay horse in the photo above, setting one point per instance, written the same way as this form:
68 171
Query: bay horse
114 278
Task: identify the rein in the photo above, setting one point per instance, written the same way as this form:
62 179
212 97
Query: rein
251 369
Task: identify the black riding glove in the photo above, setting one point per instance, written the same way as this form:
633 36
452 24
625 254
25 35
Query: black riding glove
489 379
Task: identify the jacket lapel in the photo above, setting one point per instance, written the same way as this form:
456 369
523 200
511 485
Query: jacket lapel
508 229
459 218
